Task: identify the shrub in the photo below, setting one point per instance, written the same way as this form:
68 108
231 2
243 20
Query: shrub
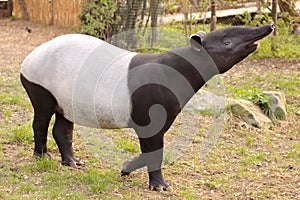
97 18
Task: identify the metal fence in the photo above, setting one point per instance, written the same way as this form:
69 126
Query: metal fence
149 12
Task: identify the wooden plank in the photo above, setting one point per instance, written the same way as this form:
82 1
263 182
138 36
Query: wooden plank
66 12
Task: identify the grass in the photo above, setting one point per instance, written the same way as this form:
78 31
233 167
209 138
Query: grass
127 145
287 49
45 178
287 83
22 135
294 153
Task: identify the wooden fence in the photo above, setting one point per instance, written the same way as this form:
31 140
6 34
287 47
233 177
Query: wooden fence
5 8
58 12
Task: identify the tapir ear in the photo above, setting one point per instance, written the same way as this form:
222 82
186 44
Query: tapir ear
196 40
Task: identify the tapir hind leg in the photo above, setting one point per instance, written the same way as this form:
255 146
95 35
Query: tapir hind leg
63 135
40 128
44 107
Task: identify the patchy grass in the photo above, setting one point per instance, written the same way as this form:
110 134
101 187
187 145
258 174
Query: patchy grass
22 135
127 145
287 49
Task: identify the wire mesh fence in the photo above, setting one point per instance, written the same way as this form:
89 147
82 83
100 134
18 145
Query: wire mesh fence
186 16
103 19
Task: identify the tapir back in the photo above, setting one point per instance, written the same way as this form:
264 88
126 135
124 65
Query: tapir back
87 76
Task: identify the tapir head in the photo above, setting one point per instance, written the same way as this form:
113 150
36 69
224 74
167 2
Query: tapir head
231 45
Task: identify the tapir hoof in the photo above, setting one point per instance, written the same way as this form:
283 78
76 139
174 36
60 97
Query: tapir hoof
72 163
158 185
156 181
37 155
125 173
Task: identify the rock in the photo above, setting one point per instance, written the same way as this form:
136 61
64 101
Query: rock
277 103
204 100
250 113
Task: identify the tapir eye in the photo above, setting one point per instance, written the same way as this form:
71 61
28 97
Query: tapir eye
226 43
226 40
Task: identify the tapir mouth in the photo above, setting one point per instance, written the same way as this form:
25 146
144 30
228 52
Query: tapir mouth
263 32
252 47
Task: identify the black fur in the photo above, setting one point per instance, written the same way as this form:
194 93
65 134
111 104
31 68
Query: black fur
148 95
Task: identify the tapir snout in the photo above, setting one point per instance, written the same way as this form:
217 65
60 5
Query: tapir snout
256 34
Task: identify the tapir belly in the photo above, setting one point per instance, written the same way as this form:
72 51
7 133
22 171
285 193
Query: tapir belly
87 76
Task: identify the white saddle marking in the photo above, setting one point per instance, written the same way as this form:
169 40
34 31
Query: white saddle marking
87 76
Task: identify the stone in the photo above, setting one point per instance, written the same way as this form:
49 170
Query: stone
277 104
250 113
204 100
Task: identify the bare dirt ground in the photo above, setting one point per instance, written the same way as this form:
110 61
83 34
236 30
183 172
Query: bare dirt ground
247 163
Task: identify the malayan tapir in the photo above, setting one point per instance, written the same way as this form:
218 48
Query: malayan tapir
84 80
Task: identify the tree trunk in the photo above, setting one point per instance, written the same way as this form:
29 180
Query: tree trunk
288 6
154 19
213 16
185 6
118 13
143 14
274 15
133 8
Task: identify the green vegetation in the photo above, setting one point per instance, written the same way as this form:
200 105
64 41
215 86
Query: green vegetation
256 96
294 153
97 18
22 135
246 86
284 45
127 145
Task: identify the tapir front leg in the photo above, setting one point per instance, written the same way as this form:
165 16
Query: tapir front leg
152 149
152 155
